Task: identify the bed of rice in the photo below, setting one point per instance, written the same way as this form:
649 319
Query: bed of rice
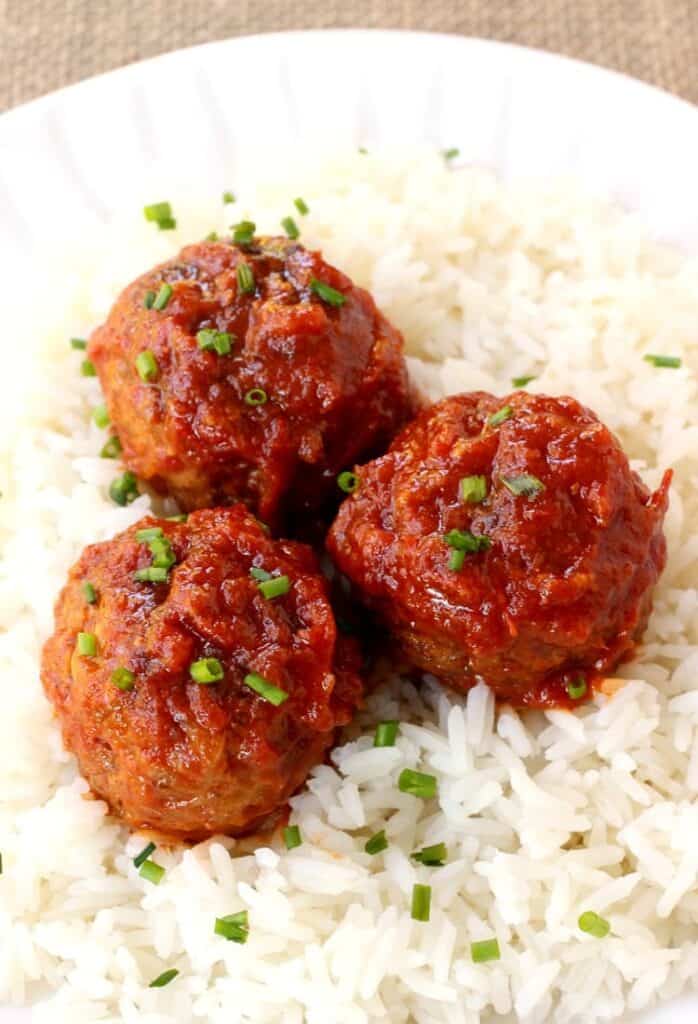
544 815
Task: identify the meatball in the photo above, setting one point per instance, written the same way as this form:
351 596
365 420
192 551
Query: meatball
506 540
249 372
197 672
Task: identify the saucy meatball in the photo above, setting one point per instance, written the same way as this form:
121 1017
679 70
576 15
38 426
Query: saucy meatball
506 540
197 672
249 372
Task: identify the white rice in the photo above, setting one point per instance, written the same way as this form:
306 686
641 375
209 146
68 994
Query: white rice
544 815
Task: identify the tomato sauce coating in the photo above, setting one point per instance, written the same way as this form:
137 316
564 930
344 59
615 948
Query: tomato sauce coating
192 759
333 376
573 544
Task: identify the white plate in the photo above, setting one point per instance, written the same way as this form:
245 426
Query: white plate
185 118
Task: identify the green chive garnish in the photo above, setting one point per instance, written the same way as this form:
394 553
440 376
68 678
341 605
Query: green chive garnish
417 783
78 343
234 927
432 856
290 227
592 924
89 592
451 154
245 278
123 678
473 489
376 844
577 688
164 979
206 670
152 872
146 366
265 689
149 299
505 413
363 150
151 574
157 212
292 837
100 416
484 951
327 293
167 224
469 543
179 517
148 534
243 233
421 902
163 297
87 645
111 449
214 341
87 368
347 481
277 586
124 489
456 560
259 574
163 555
144 854
256 396
386 734
212 236
228 197
670 362
301 206
521 382
524 485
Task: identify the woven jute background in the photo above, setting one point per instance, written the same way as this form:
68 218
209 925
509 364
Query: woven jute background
45 44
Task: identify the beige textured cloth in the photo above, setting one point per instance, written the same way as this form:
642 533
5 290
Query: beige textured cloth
45 44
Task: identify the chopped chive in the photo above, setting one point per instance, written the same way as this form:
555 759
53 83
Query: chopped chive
228 197
243 233
123 678
179 517
265 689
164 979
592 924
456 560
157 212
521 382
362 150
327 293
484 951
206 670
417 783
292 837
432 856
163 296
111 449
217 341
149 533
147 366
149 299
144 854
79 344
301 206
347 481
473 489
291 228
386 734
89 592
212 236
151 574
421 902
234 927
451 154
277 586
100 416
470 543
505 413
167 224
124 489
576 688
87 645
245 278
152 872
256 396
670 362
87 368
163 555
524 485
261 575
376 844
